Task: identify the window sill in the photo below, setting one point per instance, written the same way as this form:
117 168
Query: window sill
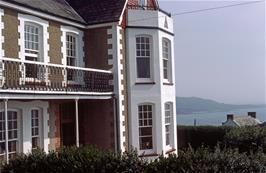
168 83
145 83
149 155
170 151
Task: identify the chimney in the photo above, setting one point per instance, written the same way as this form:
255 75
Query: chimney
252 114
230 117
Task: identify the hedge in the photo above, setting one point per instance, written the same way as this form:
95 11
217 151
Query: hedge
204 160
196 136
246 139
93 160
73 159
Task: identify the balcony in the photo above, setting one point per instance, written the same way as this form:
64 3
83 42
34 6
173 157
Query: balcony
152 8
147 17
30 76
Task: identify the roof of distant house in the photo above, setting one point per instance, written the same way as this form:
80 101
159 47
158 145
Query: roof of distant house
55 7
246 121
98 11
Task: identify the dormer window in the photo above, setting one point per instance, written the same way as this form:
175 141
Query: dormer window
143 3
33 41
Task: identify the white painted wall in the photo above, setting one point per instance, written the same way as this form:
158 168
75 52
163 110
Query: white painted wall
157 94
149 18
24 110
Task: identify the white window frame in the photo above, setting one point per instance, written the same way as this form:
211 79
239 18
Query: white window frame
74 50
36 54
168 120
140 54
149 124
45 47
79 52
166 57
40 128
80 45
18 129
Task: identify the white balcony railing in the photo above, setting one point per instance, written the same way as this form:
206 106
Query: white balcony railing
38 76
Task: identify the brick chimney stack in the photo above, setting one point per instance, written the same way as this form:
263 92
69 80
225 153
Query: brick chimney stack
230 117
252 114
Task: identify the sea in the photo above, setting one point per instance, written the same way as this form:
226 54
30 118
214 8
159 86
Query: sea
217 118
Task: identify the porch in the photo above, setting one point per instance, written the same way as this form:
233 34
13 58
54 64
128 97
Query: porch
49 106
50 124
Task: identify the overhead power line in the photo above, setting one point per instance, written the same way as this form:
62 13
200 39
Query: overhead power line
202 10
217 8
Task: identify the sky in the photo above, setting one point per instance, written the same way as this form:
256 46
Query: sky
220 54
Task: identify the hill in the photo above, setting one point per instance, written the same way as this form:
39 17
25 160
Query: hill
187 105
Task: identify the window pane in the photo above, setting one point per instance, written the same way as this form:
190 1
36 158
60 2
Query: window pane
145 126
35 129
143 67
71 49
32 37
12 146
166 58
146 143
168 118
2 147
35 143
145 131
143 54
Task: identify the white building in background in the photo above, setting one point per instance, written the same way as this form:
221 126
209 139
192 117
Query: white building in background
242 121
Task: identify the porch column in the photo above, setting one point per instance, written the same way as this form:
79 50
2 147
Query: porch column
77 122
6 130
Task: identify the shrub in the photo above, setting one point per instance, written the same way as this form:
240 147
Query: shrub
203 160
90 159
246 139
73 159
196 136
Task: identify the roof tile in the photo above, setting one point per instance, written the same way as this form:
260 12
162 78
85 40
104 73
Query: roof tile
55 7
98 11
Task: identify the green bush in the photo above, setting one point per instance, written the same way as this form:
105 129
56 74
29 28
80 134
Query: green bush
203 160
246 139
196 136
73 159
89 159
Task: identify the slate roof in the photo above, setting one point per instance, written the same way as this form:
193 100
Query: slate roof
55 7
98 11
246 121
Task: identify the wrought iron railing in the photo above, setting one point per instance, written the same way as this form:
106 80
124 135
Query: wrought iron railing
36 76
141 7
153 8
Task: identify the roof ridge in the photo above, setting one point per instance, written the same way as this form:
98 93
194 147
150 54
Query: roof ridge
73 10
